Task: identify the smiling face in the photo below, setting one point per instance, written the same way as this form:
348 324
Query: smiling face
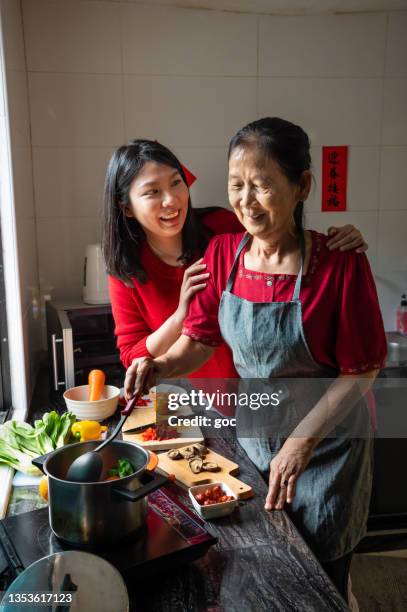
263 198
159 200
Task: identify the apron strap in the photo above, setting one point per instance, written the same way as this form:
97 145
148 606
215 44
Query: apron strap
232 273
297 287
244 241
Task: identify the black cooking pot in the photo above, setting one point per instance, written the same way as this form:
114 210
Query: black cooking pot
90 514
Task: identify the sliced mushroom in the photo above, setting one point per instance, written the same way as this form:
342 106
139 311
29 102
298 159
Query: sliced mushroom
174 454
196 465
200 449
188 452
210 466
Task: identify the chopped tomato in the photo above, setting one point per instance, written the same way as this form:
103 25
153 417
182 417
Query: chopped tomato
142 402
149 434
213 495
163 433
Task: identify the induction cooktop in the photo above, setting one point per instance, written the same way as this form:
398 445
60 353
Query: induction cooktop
173 535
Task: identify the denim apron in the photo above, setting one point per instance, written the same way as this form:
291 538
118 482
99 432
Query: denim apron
331 502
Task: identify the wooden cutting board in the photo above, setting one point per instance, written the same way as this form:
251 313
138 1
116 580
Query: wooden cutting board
141 416
183 475
144 415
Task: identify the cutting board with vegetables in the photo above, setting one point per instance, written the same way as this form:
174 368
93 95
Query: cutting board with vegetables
186 435
227 471
145 416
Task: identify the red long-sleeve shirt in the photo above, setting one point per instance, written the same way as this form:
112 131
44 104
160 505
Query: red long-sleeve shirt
141 309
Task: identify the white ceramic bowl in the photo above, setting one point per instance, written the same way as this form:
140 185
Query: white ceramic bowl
76 400
214 510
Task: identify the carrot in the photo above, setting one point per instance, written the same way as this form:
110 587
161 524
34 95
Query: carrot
96 384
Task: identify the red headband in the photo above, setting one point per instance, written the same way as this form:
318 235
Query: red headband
191 178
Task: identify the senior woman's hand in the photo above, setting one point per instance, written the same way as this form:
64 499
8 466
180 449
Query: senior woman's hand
285 469
346 238
141 375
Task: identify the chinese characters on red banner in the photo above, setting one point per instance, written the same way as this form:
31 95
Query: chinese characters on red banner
334 178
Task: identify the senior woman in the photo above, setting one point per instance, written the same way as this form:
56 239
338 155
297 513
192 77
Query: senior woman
287 307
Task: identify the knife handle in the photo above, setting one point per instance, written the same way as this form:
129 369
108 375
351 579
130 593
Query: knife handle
130 406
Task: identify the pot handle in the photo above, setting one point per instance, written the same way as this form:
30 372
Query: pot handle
157 481
39 461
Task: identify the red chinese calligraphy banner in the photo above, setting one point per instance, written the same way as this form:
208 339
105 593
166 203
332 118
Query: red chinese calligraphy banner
334 178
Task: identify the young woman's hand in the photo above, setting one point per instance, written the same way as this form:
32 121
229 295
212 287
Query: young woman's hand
285 469
141 375
193 281
346 238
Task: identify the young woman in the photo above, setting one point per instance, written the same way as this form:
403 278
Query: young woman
153 244
290 308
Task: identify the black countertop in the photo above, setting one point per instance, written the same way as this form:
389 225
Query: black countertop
260 562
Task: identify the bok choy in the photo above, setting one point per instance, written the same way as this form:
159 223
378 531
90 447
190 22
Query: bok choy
20 442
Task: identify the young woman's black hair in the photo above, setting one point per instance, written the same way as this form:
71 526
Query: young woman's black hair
282 141
122 236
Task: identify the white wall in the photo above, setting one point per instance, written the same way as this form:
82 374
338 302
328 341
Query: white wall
101 73
20 224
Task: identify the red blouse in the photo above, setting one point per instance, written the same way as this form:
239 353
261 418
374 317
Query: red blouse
341 315
141 309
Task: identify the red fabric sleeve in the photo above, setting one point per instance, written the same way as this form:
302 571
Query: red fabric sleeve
361 341
131 329
201 323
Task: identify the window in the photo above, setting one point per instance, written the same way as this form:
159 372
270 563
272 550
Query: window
5 390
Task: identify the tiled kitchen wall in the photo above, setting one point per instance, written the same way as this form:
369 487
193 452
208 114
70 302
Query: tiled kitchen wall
101 73
19 123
